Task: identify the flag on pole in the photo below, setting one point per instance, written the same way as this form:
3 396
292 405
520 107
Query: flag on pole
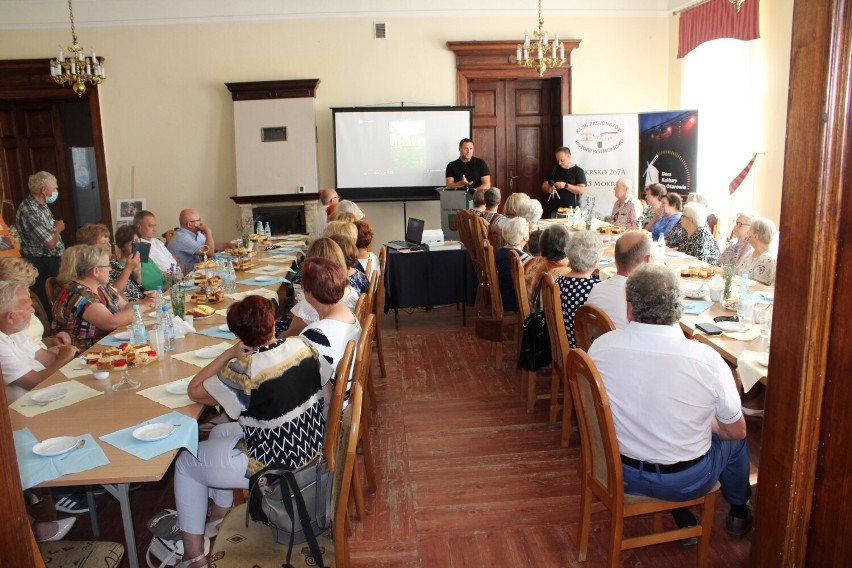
732 187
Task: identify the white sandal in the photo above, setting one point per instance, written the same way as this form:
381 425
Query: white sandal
188 563
211 529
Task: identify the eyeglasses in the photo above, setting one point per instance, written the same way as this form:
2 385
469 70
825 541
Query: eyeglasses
194 221
738 224
103 266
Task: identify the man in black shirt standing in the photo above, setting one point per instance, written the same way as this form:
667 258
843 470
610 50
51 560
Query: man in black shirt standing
468 170
565 185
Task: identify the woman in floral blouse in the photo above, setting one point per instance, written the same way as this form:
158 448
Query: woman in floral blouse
699 241
759 264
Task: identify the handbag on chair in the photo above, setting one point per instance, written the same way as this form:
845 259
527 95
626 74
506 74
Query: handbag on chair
535 341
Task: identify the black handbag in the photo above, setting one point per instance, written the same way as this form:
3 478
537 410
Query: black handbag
535 341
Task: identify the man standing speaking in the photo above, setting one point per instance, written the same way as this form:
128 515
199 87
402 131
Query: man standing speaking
468 170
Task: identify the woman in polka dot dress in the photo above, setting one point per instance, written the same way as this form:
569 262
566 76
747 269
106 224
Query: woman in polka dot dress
584 251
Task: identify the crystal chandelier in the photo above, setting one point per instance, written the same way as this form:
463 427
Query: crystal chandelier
545 53
77 69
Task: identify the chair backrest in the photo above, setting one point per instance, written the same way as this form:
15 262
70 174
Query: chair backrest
379 300
490 268
361 307
590 322
332 426
713 225
40 313
368 270
365 351
495 236
551 305
372 290
51 289
347 448
601 463
463 223
517 269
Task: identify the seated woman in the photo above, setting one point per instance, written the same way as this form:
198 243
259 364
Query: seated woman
324 283
88 308
672 205
511 209
22 272
272 388
303 313
738 245
759 264
553 244
534 244
149 274
125 278
698 242
654 195
530 210
584 252
364 244
515 235
346 206
357 279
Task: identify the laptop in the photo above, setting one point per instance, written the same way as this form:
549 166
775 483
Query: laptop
413 236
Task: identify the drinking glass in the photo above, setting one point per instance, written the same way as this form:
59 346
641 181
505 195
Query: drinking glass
126 383
178 300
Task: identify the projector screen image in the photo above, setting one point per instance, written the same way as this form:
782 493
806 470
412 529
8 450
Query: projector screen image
396 153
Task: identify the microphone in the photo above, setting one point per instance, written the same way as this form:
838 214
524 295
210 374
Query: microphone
551 182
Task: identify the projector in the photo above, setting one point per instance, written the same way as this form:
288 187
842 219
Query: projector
433 237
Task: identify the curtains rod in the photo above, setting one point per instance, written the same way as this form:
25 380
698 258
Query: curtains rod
689 7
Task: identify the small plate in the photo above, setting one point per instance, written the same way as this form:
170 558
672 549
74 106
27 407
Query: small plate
731 326
178 387
224 327
55 446
153 432
122 336
48 395
270 268
209 352
762 359
264 278
695 293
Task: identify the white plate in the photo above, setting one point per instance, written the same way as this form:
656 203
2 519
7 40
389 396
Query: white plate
695 293
731 326
209 352
122 336
762 359
224 327
264 278
255 293
48 394
178 387
270 268
153 432
55 446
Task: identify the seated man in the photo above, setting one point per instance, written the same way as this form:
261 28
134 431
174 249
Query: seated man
675 404
25 364
632 249
146 228
191 240
325 207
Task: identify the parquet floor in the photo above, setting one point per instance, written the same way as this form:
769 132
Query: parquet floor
466 477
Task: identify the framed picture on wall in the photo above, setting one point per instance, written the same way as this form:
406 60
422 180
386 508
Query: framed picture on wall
127 208
122 222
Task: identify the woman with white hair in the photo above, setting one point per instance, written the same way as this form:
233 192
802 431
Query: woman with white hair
738 245
531 210
584 251
759 264
515 236
698 241
346 206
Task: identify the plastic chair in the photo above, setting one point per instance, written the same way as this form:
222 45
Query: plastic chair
590 322
602 477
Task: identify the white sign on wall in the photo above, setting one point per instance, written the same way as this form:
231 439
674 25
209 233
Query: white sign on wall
606 146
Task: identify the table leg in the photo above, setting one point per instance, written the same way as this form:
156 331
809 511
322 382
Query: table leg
121 491
93 513
464 313
395 318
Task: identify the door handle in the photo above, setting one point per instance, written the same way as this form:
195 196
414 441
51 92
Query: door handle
512 178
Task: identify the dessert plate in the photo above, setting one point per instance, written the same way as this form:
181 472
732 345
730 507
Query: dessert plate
224 327
153 432
731 326
178 387
55 446
122 335
209 352
264 278
44 396
762 359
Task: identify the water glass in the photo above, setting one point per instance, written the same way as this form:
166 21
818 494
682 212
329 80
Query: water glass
157 339
190 320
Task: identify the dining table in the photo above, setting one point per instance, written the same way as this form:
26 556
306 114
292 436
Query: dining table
101 415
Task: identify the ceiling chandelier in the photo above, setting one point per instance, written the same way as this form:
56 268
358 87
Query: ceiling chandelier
544 53
78 68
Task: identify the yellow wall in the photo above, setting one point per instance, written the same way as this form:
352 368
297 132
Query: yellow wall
168 117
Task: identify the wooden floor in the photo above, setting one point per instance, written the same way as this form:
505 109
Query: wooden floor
466 477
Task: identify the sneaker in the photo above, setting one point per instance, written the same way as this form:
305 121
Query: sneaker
738 526
72 503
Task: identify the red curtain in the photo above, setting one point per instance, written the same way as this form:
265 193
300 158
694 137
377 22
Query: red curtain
717 19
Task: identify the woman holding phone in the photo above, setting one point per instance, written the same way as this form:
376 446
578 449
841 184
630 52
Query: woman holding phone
124 276
149 275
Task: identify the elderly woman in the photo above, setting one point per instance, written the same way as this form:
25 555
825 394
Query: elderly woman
324 283
584 251
698 242
88 308
125 278
364 244
553 243
654 195
274 389
738 245
22 272
149 274
531 210
759 264
515 236
357 279
672 206
346 206
511 209
534 244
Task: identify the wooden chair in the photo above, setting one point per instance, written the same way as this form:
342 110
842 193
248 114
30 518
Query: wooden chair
335 409
362 377
40 313
51 289
477 231
494 328
361 307
713 225
378 310
602 476
552 307
590 322
371 309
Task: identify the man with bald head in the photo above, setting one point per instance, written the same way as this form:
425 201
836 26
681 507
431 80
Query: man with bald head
191 240
325 207
631 250
627 209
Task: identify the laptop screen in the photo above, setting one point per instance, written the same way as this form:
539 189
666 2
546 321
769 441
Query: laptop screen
414 231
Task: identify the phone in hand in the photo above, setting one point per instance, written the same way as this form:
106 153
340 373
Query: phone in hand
709 328
144 250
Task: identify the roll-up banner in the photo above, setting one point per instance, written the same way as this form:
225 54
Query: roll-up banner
668 149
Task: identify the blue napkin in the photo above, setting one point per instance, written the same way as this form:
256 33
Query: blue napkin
284 251
216 332
184 436
696 307
255 282
112 341
606 260
35 469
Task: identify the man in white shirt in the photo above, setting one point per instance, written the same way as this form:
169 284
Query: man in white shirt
675 404
328 198
25 364
146 228
631 250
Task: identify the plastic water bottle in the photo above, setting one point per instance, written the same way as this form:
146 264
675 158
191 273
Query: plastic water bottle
268 231
745 303
138 333
661 249
231 277
259 229
168 330
158 302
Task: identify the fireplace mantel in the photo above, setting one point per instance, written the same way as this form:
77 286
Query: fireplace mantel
279 198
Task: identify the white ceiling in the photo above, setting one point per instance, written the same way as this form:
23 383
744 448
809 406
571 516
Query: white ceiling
50 13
